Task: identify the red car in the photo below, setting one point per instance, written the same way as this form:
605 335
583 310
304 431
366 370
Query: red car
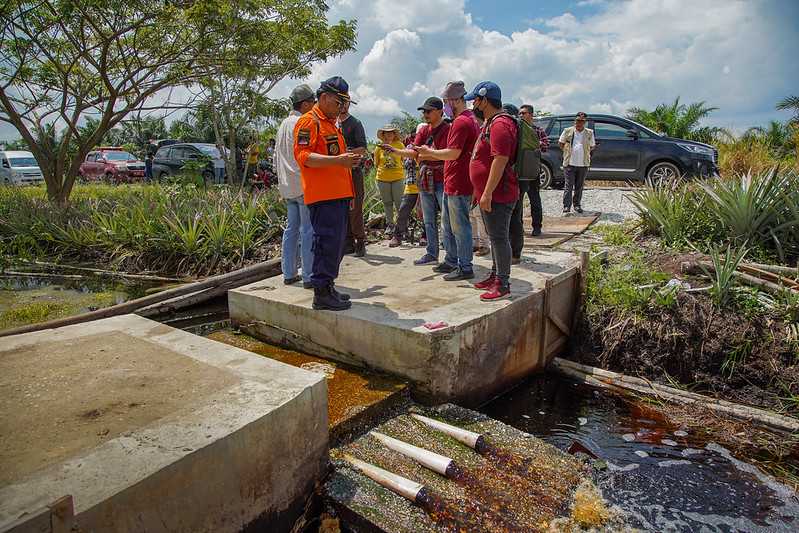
113 165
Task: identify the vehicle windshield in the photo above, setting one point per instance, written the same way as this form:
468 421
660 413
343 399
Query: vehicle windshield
119 156
648 130
209 150
22 162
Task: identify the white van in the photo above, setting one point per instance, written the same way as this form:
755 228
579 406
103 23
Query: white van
18 167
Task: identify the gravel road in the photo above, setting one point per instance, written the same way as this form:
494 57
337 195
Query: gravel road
612 202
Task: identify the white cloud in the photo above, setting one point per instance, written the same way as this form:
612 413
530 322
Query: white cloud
370 103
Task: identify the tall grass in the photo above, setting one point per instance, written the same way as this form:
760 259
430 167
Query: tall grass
760 211
180 230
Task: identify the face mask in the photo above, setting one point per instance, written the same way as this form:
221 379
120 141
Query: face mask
448 110
477 112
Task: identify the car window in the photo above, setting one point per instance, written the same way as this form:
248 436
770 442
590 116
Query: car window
162 153
557 127
23 162
211 151
118 156
178 153
542 123
607 130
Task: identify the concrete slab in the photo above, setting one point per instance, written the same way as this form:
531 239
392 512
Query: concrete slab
484 349
149 428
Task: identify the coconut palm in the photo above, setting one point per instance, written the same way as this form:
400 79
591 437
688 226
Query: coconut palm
679 120
790 103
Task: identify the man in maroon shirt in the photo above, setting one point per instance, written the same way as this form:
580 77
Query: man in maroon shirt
458 195
494 183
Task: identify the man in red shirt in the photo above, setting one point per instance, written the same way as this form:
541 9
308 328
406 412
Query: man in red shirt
457 200
494 183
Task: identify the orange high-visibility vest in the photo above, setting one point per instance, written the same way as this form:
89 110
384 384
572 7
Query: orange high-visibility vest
314 133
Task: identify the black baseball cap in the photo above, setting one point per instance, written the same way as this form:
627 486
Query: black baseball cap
338 86
434 102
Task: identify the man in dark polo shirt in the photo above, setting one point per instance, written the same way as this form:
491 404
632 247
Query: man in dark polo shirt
355 137
457 199
494 182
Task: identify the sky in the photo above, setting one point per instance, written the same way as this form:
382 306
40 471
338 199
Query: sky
598 56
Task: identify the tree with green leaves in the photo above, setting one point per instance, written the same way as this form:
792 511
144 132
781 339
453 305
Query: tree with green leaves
778 137
679 120
790 103
284 44
406 123
63 61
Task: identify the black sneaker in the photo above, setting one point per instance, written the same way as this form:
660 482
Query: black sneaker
444 268
578 209
324 300
349 248
340 295
307 285
458 275
536 232
360 249
426 259
292 281
566 210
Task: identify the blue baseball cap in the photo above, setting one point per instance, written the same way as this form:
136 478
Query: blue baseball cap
338 86
485 89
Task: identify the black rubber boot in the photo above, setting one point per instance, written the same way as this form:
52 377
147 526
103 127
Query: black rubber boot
324 300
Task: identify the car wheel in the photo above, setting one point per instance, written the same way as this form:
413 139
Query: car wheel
109 178
162 176
546 176
662 173
208 177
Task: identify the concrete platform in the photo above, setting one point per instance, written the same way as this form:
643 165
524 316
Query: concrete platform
485 348
149 428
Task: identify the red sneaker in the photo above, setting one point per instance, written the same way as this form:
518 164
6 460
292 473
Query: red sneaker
487 283
496 292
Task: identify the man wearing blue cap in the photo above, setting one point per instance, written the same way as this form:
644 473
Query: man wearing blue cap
494 182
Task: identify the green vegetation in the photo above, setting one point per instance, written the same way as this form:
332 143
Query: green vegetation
678 120
758 211
23 307
170 229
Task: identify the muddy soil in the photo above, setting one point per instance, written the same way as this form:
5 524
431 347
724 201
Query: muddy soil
742 359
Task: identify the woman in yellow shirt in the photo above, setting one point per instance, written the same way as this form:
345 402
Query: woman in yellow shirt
390 173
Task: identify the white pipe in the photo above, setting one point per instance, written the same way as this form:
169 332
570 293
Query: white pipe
402 486
469 438
433 461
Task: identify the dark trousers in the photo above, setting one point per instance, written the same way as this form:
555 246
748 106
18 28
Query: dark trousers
404 214
497 224
329 222
148 169
531 188
574 180
357 231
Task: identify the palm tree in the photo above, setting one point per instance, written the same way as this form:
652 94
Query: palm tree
777 136
679 120
790 103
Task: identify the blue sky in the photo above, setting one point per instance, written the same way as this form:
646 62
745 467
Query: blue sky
564 56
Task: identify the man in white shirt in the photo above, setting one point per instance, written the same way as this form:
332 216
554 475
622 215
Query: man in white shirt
577 143
298 235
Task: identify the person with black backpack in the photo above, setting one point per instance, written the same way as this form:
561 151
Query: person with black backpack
494 180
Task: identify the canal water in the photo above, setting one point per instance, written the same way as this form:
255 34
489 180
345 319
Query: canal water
663 477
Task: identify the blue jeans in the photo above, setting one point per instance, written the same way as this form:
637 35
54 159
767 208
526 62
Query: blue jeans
431 205
457 231
297 240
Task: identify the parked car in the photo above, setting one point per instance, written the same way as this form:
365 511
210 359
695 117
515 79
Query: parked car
19 167
112 164
627 150
169 160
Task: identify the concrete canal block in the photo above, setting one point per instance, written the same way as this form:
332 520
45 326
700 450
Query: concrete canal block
149 428
484 349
